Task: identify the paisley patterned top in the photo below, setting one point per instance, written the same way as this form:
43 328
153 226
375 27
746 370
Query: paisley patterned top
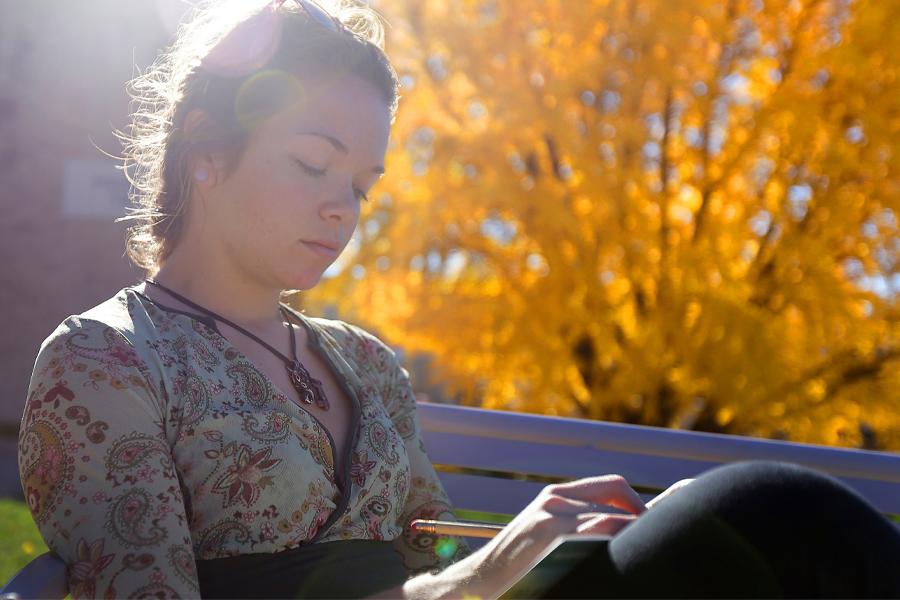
148 441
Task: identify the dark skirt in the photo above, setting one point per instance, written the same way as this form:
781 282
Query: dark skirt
341 569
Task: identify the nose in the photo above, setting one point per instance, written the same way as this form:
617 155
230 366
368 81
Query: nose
341 206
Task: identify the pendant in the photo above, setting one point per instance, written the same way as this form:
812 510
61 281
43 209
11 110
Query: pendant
309 388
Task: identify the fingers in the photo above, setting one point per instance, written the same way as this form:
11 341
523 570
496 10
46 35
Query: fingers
560 505
611 490
605 524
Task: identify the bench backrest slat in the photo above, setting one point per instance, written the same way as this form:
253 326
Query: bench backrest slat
650 458
490 494
516 456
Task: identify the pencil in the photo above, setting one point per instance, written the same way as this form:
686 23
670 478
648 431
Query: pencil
479 530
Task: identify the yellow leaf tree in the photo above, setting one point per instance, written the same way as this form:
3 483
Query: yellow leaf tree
671 213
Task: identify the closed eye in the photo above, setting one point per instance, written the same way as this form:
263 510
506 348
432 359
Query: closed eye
308 169
314 172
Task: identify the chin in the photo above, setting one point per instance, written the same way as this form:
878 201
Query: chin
303 282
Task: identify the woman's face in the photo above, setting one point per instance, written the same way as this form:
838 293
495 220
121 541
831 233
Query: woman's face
292 201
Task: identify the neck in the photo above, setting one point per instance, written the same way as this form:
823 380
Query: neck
253 306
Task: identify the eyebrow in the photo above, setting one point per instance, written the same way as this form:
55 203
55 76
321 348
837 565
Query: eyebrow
339 146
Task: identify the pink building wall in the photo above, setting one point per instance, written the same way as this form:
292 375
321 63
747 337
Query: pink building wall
62 72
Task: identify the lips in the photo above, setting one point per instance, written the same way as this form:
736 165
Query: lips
322 247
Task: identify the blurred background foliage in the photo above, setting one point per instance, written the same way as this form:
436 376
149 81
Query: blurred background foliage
681 214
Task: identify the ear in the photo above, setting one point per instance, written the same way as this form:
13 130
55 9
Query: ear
204 164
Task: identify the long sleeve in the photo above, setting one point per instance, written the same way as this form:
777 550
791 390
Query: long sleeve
97 469
427 498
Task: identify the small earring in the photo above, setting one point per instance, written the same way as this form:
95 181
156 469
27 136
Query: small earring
201 175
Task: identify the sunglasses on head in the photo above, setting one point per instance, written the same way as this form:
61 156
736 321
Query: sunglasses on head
315 12
254 41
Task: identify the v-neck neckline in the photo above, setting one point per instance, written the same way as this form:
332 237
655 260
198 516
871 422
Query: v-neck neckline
313 343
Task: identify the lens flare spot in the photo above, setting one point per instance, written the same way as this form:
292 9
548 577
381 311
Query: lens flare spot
445 548
263 95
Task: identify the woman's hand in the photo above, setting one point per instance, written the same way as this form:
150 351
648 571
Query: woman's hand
575 507
578 506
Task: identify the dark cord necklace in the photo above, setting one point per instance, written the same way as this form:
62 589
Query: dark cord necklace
308 387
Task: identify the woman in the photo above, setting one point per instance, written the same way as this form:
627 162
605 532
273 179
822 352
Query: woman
192 435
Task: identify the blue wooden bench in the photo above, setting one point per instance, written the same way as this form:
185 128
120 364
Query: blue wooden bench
493 463
496 462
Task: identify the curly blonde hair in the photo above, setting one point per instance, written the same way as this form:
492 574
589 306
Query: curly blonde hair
238 61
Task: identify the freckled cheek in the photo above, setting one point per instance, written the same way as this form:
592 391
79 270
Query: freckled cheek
280 203
293 207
